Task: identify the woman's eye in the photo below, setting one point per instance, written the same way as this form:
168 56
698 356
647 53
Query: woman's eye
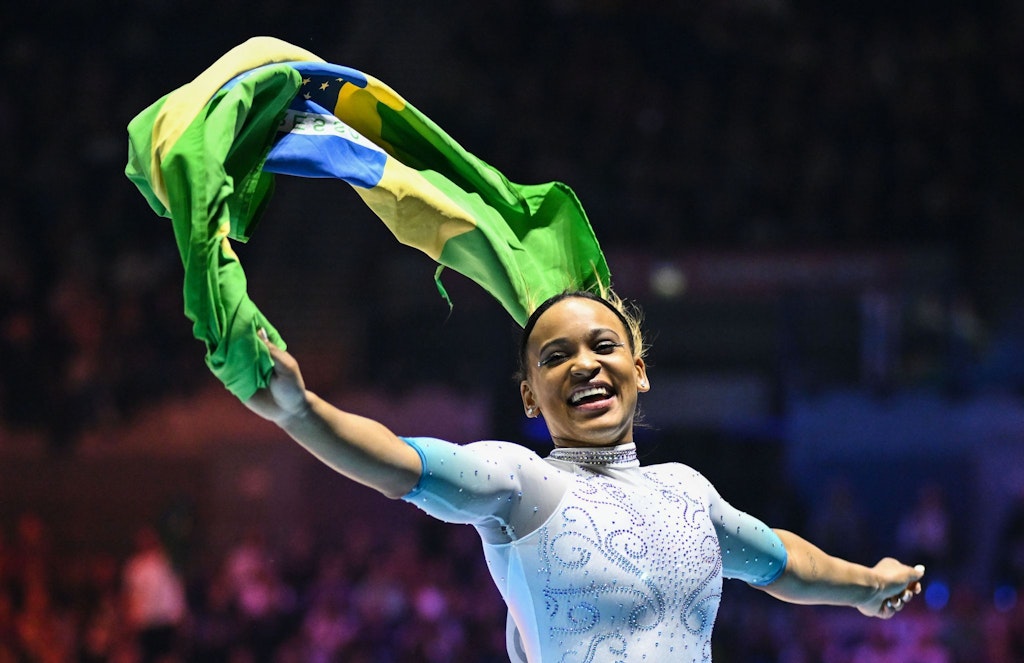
606 347
552 358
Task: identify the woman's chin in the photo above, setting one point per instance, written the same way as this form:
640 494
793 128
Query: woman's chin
596 435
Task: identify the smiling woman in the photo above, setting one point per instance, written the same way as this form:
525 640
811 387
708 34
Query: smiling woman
581 370
597 558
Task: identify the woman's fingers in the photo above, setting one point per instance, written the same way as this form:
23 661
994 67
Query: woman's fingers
283 362
897 603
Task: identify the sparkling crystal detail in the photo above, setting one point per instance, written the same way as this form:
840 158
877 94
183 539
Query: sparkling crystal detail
622 455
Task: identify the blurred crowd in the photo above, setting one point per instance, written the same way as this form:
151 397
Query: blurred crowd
372 599
387 595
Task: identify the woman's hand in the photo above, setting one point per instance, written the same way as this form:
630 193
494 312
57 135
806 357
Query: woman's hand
813 577
898 584
285 397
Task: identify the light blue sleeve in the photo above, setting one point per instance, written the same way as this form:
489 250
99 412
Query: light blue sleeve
751 551
505 490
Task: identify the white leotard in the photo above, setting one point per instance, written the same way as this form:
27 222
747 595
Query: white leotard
598 559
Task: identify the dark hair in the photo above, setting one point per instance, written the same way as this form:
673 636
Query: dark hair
628 314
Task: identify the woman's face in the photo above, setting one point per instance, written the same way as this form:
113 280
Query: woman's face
581 375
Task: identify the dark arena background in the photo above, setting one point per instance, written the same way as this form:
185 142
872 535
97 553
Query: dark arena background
819 206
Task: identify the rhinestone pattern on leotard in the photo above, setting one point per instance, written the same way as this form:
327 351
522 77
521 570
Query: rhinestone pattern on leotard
628 569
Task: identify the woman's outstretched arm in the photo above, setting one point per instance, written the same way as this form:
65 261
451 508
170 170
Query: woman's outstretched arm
362 449
814 577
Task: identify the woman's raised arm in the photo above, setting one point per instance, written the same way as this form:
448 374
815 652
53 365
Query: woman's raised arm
362 449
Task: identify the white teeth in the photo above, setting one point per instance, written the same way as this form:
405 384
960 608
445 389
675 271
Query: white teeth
585 393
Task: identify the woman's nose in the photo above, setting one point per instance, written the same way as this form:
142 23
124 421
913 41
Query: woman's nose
585 365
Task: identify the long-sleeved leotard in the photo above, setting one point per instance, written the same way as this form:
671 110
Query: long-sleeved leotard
598 558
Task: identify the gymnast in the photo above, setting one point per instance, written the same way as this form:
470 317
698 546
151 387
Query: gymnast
597 557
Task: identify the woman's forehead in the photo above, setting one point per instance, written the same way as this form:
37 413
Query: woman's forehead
573 316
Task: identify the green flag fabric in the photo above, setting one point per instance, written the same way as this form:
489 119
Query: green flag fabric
206 156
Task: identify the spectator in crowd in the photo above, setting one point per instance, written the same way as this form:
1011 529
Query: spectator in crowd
154 597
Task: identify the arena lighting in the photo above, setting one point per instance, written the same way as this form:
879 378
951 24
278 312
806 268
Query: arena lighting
936 595
667 280
1004 598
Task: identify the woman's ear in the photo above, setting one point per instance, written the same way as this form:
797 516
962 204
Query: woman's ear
529 402
642 383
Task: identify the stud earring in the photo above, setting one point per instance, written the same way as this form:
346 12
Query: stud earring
530 411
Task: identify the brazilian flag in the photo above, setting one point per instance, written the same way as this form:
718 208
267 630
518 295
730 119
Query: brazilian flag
207 154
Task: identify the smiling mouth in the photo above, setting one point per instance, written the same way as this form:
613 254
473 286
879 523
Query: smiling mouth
590 395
